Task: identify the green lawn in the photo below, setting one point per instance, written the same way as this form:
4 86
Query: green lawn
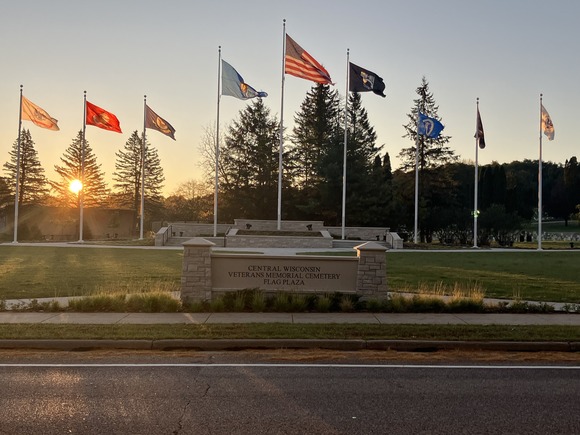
537 275
45 271
285 331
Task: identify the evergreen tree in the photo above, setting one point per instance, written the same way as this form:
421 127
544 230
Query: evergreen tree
432 154
5 197
364 196
315 158
128 178
32 183
572 184
94 189
387 168
249 165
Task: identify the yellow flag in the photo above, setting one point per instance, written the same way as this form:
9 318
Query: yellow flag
31 112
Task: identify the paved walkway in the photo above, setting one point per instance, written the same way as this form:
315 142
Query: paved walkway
292 318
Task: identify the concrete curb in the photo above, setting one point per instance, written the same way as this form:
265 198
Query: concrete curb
343 345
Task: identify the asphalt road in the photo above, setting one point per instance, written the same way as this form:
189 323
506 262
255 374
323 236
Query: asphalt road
286 393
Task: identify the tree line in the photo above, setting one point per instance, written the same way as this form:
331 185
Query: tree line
312 177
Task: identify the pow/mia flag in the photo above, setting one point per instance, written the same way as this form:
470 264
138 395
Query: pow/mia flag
363 80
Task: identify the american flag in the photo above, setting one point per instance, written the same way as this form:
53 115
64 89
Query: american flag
300 64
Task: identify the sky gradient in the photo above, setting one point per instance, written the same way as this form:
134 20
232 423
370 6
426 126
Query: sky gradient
504 52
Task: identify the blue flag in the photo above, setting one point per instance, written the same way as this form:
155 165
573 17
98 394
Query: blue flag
233 84
429 127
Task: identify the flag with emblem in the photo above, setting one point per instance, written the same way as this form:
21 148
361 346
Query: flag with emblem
427 126
233 84
547 125
156 122
101 118
299 63
39 116
364 80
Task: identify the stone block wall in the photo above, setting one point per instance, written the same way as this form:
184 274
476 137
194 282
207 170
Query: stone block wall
196 271
272 225
196 280
372 271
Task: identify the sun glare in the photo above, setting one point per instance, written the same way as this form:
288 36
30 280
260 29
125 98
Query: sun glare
75 186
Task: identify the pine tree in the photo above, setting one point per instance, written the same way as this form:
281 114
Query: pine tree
32 183
315 159
363 194
94 189
433 153
5 197
249 164
128 177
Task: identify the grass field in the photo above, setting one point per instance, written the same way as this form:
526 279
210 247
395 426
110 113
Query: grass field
46 271
286 331
542 276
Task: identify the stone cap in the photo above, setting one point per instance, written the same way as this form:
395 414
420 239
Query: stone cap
370 246
198 241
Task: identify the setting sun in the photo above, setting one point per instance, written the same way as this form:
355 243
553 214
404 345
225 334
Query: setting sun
75 186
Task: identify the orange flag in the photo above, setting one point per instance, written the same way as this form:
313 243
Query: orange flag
31 112
102 119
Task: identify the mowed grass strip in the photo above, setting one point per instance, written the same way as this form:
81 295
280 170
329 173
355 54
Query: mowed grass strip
293 331
46 271
534 275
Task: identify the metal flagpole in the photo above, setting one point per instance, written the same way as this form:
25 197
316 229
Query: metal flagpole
217 144
416 180
83 187
142 212
281 150
476 180
540 184
345 145
17 187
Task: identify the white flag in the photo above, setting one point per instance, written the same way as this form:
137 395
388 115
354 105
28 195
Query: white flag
547 125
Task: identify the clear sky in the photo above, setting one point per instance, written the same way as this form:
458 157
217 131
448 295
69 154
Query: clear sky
506 52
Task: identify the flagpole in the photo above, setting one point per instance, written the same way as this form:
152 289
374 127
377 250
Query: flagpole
345 144
217 144
416 180
142 212
281 149
476 180
17 187
540 213
83 187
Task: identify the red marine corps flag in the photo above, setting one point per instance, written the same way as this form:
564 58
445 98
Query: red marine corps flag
101 118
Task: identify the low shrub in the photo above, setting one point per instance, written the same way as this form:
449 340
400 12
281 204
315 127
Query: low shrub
156 302
322 304
258 302
114 302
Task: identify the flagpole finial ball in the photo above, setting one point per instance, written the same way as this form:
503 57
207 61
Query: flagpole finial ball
284 20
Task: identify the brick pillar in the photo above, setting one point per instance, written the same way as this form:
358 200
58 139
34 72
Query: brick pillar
196 271
371 280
